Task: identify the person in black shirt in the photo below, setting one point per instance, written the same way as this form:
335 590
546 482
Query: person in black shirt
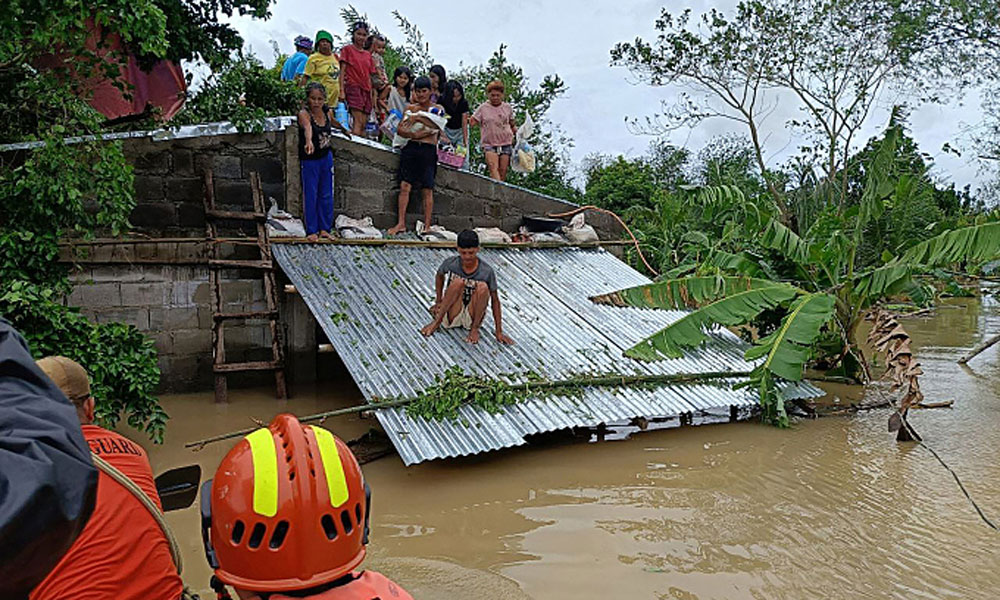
457 108
471 286
316 124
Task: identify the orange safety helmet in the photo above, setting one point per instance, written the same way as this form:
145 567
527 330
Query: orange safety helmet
287 510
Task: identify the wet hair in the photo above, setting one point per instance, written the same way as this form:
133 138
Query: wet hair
409 79
468 239
449 90
371 40
442 78
496 84
359 25
422 83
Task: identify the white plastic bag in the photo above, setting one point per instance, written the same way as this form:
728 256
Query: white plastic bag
356 229
282 224
578 232
523 160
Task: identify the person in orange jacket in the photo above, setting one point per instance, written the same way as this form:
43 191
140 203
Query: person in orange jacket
286 516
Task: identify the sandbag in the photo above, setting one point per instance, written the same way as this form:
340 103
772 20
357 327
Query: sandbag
578 232
283 224
492 235
435 233
356 229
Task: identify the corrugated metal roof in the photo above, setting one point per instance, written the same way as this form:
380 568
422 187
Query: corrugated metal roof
371 302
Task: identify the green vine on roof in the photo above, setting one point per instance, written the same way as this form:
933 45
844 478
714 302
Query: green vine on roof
454 388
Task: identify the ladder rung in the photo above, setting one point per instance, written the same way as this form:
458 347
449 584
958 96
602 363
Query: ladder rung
247 366
241 264
235 215
257 314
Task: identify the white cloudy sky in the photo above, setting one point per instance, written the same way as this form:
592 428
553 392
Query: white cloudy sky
573 39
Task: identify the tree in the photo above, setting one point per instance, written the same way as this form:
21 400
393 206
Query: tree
823 297
831 59
49 51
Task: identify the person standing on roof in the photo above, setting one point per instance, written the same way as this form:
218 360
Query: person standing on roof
418 157
286 516
496 120
358 71
122 552
316 125
323 66
463 287
295 65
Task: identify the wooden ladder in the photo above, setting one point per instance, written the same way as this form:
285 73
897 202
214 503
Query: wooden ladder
266 266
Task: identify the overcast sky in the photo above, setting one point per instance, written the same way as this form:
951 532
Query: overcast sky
574 39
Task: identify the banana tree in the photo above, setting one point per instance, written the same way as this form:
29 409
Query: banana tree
825 296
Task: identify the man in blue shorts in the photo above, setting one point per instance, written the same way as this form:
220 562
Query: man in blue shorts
471 286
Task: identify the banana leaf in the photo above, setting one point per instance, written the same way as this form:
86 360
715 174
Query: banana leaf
690 330
790 346
778 237
685 292
976 244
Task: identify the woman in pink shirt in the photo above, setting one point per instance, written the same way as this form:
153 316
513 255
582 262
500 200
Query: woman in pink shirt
495 119
358 67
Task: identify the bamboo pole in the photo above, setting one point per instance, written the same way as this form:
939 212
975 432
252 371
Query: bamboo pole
978 349
529 386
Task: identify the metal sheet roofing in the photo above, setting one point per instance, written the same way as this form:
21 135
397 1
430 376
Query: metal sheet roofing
371 302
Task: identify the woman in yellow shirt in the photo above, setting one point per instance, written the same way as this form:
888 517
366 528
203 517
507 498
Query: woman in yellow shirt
323 67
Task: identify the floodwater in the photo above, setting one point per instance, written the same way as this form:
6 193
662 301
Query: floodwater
831 508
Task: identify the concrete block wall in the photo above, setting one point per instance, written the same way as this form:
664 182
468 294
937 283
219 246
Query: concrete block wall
162 287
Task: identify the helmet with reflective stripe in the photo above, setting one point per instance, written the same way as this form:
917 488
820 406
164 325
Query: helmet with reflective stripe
287 509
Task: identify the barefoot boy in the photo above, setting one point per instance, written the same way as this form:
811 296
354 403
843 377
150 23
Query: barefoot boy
471 286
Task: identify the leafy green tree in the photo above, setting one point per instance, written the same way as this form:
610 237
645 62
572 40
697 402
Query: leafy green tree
618 184
828 59
823 296
244 92
48 52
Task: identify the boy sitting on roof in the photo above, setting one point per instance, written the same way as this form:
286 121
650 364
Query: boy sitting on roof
471 286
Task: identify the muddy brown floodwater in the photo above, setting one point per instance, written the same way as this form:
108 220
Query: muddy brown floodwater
831 508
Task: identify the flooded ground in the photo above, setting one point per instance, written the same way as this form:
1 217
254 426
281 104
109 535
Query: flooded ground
831 508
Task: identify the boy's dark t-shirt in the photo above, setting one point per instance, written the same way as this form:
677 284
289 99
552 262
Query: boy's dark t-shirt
483 272
455 112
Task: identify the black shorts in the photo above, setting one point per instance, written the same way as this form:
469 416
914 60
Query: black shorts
418 164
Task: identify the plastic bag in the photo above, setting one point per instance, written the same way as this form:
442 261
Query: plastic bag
282 224
578 232
356 229
523 160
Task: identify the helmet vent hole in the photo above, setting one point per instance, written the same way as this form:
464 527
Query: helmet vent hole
312 472
238 529
278 537
291 475
257 535
328 527
345 518
357 513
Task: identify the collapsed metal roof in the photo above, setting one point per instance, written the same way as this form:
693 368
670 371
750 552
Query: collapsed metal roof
371 302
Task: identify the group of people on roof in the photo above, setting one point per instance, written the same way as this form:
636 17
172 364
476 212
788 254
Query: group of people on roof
418 115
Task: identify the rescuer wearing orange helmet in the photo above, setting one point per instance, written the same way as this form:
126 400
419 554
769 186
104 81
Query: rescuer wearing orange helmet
287 516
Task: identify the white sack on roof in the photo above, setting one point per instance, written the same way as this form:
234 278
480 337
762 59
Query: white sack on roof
492 235
578 232
357 229
435 233
282 224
